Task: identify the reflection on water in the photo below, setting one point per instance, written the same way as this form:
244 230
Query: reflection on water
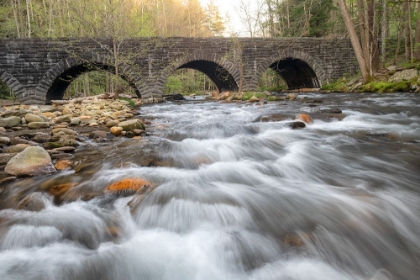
236 198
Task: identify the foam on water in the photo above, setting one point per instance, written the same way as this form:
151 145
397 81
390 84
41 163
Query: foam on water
243 200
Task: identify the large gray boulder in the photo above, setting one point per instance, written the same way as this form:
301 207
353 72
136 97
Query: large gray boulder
30 162
33 118
404 75
130 125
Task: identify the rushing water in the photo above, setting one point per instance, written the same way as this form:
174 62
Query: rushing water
237 198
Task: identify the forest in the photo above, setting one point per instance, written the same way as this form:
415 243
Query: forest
382 32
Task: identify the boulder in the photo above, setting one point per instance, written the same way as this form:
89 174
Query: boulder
17 148
404 75
331 111
304 118
41 137
112 123
61 119
4 140
63 164
10 121
291 96
273 118
116 130
253 99
97 134
296 125
35 201
33 118
5 157
129 186
38 125
67 131
31 162
130 125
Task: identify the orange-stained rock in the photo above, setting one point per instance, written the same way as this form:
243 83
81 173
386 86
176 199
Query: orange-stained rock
116 130
304 117
63 164
130 185
61 188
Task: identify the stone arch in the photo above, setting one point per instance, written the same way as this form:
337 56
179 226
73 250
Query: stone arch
13 84
222 72
298 69
56 80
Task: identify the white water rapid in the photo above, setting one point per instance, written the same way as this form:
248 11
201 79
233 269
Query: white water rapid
241 199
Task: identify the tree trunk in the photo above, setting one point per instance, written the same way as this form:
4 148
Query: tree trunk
373 38
417 38
408 48
15 15
354 40
383 31
28 14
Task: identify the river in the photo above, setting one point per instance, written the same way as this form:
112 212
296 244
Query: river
236 198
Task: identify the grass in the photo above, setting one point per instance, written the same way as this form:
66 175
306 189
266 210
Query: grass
130 101
338 86
384 86
248 95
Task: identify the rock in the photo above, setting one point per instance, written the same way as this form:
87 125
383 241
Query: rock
63 164
112 123
291 96
130 134
59 189
139 132
17 140
4 140
296 125
295 239
97 134
35 201
49 115
2 130
273 118
52 145
129 186
10 121
75 121
37 125
5 158
61 119
331 111
304 118
116 130
130 125
33 118
253 99
335 116
62 156
215 95
41 137
67 131
66 149
391 68
32 161
404 75
135 203
17 148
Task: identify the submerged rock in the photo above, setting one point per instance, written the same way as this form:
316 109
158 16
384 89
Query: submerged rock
304 118
30 162
33 202
129 186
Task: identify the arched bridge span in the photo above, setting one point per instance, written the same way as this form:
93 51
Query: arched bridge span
39 70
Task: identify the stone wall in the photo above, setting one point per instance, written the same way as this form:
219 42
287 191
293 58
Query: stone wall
34 68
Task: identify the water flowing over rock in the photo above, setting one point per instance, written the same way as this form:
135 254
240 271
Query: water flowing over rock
32 161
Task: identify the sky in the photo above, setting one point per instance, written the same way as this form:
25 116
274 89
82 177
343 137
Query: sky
230 7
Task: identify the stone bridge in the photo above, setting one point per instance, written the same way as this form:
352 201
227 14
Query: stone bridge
40 70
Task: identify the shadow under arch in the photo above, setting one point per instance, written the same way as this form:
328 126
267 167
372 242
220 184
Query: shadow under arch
221 77
296 68
296 73
61 83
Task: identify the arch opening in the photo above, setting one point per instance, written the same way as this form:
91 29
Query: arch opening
221 77
296 73
6 92
61 84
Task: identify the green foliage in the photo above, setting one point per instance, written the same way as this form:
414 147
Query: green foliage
173 84
248 95
271 81
271 98
337 86
384 86
5 91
